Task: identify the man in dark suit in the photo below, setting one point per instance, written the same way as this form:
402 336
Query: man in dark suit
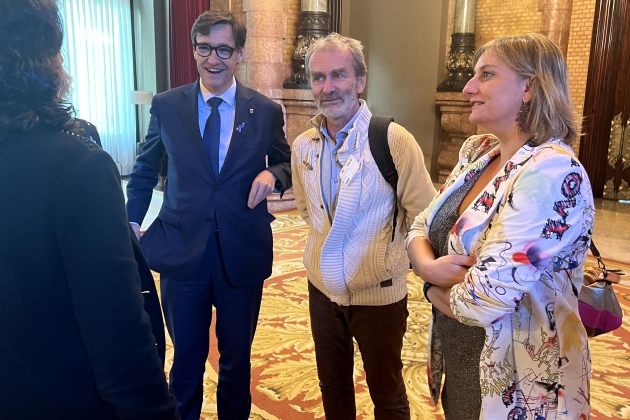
212 241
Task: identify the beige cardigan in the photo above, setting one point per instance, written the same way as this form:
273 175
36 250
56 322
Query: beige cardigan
348 259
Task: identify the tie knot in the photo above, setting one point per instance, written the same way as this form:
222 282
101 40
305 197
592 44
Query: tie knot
214 102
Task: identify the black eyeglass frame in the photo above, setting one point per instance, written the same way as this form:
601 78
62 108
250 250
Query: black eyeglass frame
216 49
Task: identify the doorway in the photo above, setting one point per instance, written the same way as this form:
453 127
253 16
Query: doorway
605 148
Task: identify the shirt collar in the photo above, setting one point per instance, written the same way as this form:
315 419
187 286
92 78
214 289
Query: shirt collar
229 96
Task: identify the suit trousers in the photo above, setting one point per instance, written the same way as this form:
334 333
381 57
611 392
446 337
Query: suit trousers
379 332
187 305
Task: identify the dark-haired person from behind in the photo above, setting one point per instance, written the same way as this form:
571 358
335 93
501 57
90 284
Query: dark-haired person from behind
76 342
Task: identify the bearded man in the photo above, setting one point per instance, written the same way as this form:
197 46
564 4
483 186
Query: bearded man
355 256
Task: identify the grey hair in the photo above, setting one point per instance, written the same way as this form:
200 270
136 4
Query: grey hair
334 41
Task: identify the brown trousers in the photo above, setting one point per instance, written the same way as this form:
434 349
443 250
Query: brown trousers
379 332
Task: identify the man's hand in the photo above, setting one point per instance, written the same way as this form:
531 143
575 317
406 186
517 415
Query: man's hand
136 229
261 188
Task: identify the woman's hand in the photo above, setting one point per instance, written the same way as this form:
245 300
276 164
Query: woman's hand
448 270
440 298
444 271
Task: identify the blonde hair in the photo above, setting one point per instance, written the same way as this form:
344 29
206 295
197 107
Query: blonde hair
551 112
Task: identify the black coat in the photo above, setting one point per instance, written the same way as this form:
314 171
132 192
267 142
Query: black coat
151 300
76 342
147 284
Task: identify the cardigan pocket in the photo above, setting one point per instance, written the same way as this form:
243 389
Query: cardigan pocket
372 275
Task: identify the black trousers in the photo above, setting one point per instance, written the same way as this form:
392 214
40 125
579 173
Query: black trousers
379 332
187 305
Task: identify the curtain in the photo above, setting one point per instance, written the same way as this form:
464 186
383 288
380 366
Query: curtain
182 15
98 54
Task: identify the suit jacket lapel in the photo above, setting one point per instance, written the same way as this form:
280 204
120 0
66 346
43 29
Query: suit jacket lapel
189 113
243 118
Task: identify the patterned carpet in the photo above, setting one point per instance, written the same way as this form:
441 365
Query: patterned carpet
285 384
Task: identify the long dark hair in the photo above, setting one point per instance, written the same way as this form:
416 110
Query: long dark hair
33 83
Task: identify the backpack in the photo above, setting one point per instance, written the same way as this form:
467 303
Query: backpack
377 136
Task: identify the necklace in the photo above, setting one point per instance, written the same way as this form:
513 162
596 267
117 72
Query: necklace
86 140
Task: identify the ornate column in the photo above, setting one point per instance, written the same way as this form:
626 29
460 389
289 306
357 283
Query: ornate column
455 110
314 23
454 105
334 9
460 57
556 21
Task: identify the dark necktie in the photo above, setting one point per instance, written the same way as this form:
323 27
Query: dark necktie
212 134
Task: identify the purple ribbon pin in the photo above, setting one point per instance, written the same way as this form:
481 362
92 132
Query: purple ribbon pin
240 127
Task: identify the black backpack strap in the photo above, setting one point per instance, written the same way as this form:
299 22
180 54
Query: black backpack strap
379 146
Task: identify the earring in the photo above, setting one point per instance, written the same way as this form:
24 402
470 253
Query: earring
523 113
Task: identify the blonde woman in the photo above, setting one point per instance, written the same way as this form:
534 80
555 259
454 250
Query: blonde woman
502 246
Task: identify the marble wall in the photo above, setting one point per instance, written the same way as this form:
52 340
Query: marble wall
263 67
268 60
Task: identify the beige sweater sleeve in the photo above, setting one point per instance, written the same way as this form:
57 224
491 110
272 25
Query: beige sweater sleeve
296 175
415 188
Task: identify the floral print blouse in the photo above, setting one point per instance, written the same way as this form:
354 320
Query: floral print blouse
529 230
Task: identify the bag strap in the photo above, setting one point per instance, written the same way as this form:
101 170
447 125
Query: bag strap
594 250
379 146
601 265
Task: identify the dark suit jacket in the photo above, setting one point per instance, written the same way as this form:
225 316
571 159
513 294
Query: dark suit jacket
194 201
76 342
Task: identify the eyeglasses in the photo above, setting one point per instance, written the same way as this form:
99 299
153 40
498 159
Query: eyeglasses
204 50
